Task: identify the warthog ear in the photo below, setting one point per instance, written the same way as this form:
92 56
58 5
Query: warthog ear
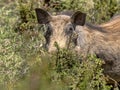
78 18
43 16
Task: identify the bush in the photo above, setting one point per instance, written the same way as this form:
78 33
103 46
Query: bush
98 11
78 73
16 50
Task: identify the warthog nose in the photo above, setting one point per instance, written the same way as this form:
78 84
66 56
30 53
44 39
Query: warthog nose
55 46
52 50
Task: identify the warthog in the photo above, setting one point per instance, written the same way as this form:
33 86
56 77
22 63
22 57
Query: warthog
102 40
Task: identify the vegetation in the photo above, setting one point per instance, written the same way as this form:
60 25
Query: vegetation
25 64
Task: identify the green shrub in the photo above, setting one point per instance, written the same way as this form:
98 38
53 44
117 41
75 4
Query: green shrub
16 50
78 73
98 11
63 70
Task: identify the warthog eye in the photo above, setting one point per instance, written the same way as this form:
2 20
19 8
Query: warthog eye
69 29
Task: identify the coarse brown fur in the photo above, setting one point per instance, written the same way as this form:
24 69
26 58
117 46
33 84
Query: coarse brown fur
104 41
113 25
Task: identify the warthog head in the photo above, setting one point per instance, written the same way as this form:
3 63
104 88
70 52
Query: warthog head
60 28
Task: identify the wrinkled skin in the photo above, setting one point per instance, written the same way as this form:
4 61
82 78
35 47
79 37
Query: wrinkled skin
102 40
